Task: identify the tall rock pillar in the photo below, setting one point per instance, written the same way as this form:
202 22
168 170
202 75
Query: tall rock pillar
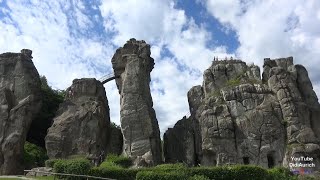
20 101
133 64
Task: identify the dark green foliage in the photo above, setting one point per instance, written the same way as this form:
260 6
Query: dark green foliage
33 156
114 125
50 162
50 104
72 166
158 175
110 165
249 172
279 173
178 167
122 161
198 177
119 174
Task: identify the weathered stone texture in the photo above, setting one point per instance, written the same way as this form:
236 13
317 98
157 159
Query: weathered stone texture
82 122
182 142
139 125
247 120
20 101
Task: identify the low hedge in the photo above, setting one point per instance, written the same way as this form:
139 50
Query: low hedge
119 174
122 161
280 173
50 162
158 175
72 166
198 177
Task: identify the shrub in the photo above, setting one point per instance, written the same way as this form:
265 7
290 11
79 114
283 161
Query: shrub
171 166
122 161
216 173
280 173
114 173
33 155
158 175
72 166
178 167
199 177
50 162
249 172
110 165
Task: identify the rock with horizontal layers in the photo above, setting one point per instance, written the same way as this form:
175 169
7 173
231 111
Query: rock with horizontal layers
20 102
82 123
247 120
141 135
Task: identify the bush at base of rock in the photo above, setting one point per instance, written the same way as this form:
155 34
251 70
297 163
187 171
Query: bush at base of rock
199 177
280 173
158 175
122 161
33 155
171 171
72 166
50 162
119 174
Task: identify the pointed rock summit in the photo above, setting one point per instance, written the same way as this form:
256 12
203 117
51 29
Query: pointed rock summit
133 64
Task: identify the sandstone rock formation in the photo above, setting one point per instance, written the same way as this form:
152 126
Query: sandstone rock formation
20 101
139 125
245 120
182 142
82 123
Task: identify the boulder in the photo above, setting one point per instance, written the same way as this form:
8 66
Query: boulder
20 101
82 123
141 136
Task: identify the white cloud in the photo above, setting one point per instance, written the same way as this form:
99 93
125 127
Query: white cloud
274 29
58 54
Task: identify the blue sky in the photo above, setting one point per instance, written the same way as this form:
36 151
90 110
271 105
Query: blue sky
77 38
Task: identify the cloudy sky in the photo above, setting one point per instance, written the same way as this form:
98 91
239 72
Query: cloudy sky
77 38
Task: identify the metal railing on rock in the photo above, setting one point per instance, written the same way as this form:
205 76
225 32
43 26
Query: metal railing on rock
107 78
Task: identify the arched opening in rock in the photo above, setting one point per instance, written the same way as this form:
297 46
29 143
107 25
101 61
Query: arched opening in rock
246 160
271 161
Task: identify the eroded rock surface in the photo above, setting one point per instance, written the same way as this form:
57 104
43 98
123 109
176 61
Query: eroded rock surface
182 142
139 125
82 123
20 101
247 120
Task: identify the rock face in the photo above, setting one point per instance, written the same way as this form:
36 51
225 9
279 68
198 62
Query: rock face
82 123
20 101
116 141
245 120
182 142
139 125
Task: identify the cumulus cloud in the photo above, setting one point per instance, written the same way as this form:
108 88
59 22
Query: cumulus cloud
45 28
273 29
